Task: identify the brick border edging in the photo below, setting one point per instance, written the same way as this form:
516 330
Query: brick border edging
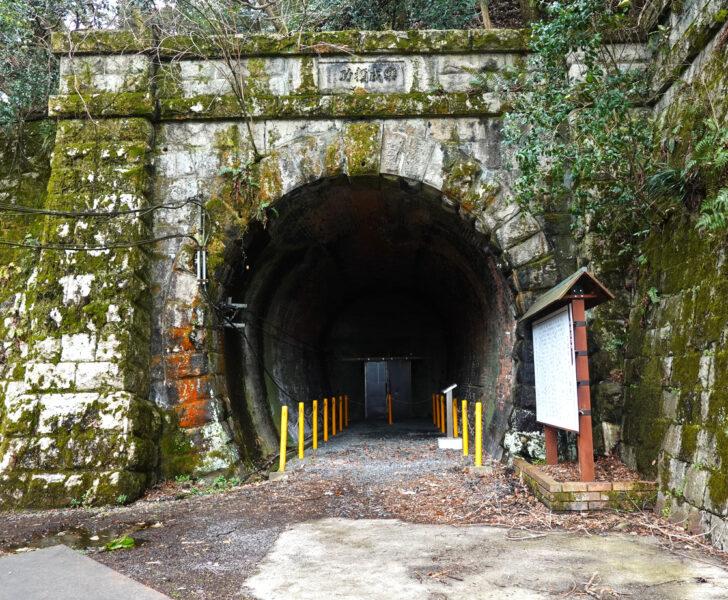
579 495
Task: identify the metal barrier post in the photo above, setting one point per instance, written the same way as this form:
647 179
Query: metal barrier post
478 434
465 427
333 416
443 416
454 417
284 438
315 424
389 402
341 413
300 430
326 419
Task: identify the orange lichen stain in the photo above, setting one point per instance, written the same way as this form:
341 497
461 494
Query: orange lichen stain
192 415
180 336
178 365
194 398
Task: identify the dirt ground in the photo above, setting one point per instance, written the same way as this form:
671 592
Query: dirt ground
203 541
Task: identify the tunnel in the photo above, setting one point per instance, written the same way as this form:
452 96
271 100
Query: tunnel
363 287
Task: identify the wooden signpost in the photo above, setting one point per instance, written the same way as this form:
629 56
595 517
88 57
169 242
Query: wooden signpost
561 363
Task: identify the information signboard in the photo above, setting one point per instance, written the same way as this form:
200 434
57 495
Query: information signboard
555 370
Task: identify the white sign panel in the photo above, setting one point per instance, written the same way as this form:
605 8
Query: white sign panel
555 366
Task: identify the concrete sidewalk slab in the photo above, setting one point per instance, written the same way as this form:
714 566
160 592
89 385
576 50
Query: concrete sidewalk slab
385 559
59 573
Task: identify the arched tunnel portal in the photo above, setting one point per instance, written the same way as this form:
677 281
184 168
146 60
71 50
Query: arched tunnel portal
364 279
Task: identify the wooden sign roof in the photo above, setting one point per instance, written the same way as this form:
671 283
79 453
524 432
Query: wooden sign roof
581 284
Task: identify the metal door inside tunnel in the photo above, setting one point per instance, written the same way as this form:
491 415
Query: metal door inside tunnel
390 376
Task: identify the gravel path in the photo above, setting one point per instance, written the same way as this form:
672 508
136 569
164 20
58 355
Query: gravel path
205 546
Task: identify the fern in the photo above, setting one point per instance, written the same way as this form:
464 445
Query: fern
711 151
714 212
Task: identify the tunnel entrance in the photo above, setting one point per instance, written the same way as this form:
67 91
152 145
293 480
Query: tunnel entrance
353 281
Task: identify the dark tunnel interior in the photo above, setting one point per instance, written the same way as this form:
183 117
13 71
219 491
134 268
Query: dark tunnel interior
350 273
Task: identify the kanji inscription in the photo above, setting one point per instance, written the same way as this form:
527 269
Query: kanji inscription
383 76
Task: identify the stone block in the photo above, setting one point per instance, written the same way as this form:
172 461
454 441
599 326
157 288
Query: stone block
78 347
670 400
706 453
518 228
47 349
534 248
678 471
543 274
99 375
719 528
107 349
695 485
679 511
50 376
673 439
435 171
65 410
415 158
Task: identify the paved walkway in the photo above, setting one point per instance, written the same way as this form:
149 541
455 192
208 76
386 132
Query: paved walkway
59 573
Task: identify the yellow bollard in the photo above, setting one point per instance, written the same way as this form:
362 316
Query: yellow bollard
341 413
315 424
326 419
465 427
443 418
437 405
284 437
346 409
333 416
455 417
389 402
300 430
434 412
478 434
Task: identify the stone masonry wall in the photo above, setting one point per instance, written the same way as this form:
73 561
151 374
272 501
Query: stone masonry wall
117 334
676 362
77 423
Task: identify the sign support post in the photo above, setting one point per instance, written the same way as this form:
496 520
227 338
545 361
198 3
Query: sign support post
584 442
552 450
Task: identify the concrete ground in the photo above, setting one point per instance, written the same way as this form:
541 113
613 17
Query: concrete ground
346 559
378 511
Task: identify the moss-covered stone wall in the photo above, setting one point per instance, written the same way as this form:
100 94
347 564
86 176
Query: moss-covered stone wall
77 422
675 358
24 173
114 335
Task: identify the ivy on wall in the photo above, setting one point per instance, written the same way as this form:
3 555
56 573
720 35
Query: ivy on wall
578 132
575 130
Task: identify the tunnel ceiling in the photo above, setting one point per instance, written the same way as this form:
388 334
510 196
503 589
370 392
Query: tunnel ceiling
370 237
